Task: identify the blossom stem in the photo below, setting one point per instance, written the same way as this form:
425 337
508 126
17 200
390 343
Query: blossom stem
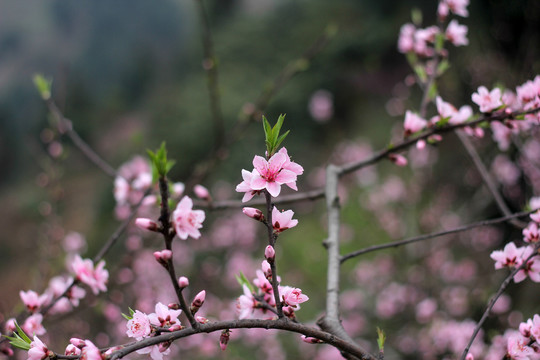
271 241
168 234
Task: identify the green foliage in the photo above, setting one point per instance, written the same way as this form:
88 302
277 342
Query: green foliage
242 280
381 338
20 340
130 316
43 85
160 165
273 139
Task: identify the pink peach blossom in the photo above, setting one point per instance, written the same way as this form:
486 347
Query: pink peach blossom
413 123
406 38
253 213
487 100
32 325
245 186
139 326
95 277
531 234
38 350
509 257
456 33
292 296
201 192
187 221
245 304
90 351
164 316
271 174
32 300
283 220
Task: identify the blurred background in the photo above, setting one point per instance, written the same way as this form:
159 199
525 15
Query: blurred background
130 74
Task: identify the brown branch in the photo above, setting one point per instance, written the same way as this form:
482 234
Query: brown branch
434 235
486 176
394 148
210 65
280 324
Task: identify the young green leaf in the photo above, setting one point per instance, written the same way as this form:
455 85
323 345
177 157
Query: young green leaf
381 338
22 334
242 280
43 85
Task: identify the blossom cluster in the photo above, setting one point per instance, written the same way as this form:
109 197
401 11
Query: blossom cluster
514 257
421 41
61 294
262 304
142 325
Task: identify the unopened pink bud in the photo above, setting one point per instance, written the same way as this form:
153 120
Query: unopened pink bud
224 339
176 327
183 282
311 340
469 357
253 213
397 159
288 311
163 256
10 325
201 319
201 192
270 253
146 224
72 350
198 301
535 216
173 306
267 270
80 343
7 351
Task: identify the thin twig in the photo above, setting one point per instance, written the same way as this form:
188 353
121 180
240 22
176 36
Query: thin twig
260 104
65 126
272 241
394 148
433 235
486 176
168 234
210 65
492 301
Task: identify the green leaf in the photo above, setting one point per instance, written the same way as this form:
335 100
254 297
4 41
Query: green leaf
160 165
381 338
416 16
420 72
281 138
22 334
17 342
439 41
267 128
43 85
443 66
131 311
412 58
127 317
242 280
432 93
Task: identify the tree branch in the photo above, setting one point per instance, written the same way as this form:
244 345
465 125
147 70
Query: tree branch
434 235
486 176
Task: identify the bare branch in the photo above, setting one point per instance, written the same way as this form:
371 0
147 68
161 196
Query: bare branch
486 176
434 235
65 126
